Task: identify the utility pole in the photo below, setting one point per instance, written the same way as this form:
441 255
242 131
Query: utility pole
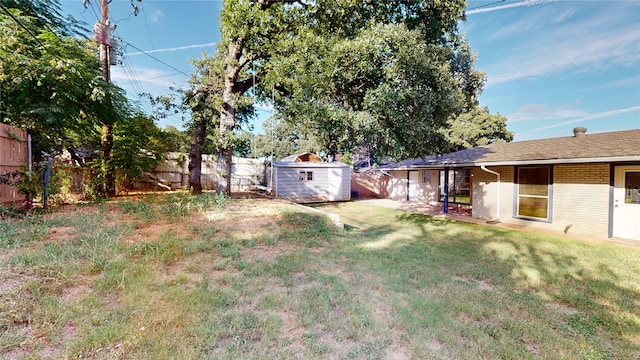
107 123
102 31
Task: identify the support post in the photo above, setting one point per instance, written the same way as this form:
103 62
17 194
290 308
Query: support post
107 123
445 207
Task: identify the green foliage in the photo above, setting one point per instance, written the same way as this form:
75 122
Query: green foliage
52 86
178 141
282 138
55 92
476 127
387 76
139 146
346 158
28 183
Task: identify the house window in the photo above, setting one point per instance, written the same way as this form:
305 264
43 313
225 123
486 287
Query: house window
632 187
306 175
534 187
426 176
459 186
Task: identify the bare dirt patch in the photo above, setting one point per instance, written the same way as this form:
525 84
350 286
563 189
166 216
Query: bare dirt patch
291 328
147 231
253 224
562 308
8 285
269 253
61 233
482 285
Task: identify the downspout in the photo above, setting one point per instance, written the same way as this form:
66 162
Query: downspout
408 185
274 185
484 168
445 206
29 152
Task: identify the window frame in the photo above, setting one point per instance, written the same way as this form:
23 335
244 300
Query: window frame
305 175
631 188
453 187
426 177
548 197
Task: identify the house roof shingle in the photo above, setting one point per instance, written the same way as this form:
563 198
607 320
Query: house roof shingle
599 147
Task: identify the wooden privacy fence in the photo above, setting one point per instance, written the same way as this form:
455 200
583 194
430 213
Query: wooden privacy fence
174 172
13 155
370 184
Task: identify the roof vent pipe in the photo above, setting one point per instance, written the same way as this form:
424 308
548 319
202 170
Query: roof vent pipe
579 131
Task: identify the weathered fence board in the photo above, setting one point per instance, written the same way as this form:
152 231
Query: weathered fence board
13 155
174 172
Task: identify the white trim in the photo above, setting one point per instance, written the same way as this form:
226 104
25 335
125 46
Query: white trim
303 164
614 159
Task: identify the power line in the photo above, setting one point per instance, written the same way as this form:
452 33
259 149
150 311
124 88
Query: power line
91 5
485 5
146 22
155 58
28 31
137 86
144 13
35 13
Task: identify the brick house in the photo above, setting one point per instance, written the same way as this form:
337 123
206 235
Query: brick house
585 184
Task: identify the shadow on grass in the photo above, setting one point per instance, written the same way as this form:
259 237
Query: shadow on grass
590 286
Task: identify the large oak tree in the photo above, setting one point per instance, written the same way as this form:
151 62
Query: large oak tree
387 73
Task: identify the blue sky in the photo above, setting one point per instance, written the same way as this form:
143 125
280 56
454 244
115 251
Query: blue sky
551 65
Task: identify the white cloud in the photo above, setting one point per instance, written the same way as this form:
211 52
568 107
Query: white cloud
583 119
508 6
143 76
540 112
626 82
571 46
194 46
156 15
565 15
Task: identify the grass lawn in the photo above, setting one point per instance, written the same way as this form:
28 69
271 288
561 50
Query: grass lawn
180 277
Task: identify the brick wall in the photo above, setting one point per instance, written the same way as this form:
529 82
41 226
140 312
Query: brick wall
485 192
580 198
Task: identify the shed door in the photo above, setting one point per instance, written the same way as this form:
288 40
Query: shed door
412 186
626 202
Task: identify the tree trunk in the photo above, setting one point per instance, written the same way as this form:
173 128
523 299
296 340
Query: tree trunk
107 167
228 116
195 159
225 152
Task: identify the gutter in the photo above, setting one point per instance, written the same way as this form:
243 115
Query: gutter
484 168
607 159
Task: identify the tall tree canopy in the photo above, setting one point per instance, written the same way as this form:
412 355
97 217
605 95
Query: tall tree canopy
51 85
387 74
282 138
476 127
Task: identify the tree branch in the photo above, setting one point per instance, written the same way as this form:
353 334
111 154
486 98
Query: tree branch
264 4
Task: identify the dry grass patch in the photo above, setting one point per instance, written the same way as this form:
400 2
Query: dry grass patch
176 276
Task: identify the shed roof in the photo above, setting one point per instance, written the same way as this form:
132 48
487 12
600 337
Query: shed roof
308 164
307 157
617 146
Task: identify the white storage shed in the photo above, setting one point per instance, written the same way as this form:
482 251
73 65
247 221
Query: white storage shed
305 178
